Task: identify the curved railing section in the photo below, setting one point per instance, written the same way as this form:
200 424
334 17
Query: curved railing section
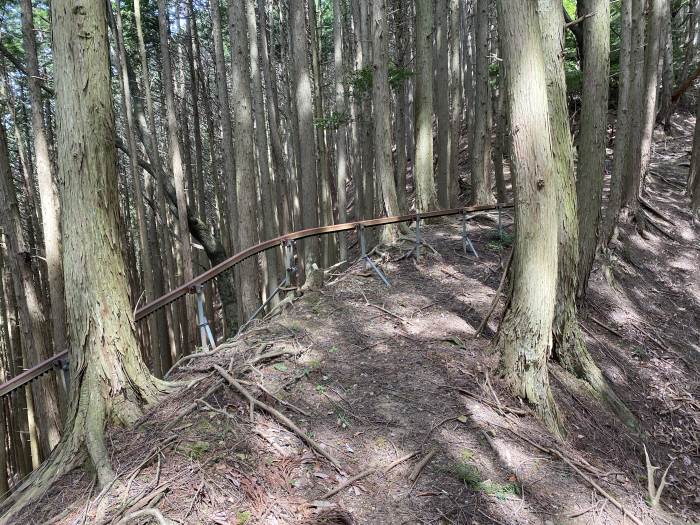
58 361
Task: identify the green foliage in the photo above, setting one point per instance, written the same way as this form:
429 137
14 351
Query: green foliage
398 75
360 80
196 450
243 517
470 475
500 242
333 121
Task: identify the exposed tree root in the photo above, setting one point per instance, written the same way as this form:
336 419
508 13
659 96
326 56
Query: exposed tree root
83 438
572 354
524 353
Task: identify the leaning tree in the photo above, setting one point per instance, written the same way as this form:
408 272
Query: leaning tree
109 381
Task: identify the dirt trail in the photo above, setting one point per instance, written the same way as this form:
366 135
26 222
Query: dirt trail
379 373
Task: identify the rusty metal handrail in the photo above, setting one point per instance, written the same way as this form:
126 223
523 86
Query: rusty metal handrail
191 286
31 373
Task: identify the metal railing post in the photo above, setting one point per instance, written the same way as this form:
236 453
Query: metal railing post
367 258
466 241
204 328
418 237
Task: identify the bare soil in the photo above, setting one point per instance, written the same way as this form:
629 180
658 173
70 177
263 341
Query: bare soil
379 373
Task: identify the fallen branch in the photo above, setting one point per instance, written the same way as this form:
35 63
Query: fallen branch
278 415
153 513
413 477
602 491
496 297
371 470
280 401
349 482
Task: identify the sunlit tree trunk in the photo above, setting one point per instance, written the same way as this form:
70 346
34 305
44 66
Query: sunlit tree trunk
525 335
176 165
456 99
481 145
270 226
593 135
424 179
144 245
48 197
381 96
622 126
341 153
569 345
325 200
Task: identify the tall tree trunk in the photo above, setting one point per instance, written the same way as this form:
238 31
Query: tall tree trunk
325 200
644 128
280 168
176 164
246 193
109 380
593 134
381 99
144 245
424 179
304 108
666 103
622 126
50 209
229 166
157 247
270 225
33 325
341 159
569 345
694 172
456 86
525 335
632 168
442 103
481 145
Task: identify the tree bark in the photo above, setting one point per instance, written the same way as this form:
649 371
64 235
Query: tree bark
622 125
34 328
144 245
304 109
246 193
456 99
270 225
424 179
381 96
325 201
442 102
109 380
593 134
569 345
176 164
525 335
50 209
341 154
481 144
157 247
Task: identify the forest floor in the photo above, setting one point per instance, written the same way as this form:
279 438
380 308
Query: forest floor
374 374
